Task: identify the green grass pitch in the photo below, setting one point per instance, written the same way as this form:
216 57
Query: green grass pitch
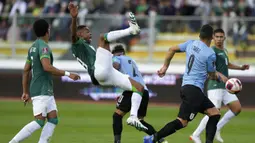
92 123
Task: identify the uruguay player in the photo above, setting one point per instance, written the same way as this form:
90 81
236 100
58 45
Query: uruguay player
200 61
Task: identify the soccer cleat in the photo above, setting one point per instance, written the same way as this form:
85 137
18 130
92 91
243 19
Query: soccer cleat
134 121
195 139
133 26
148 139
218 137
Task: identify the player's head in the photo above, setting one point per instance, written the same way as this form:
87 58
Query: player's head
41 28
206 33
84 33
118 50
219 37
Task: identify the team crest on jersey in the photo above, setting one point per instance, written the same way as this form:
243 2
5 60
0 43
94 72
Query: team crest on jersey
45 50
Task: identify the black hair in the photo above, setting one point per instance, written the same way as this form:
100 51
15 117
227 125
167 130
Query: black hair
81 27
219 30
41 27
206 32
118 49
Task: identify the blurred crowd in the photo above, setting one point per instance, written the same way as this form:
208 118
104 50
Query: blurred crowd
8 8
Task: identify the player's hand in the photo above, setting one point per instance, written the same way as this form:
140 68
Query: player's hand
73 10
25 97
74 76
245 67
162 71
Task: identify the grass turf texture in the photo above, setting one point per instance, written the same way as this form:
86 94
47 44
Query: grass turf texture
92 122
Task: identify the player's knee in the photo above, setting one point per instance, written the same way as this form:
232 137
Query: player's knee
100 74
40 122
120 112
140 88
53 120
212 111
116 116
179 123
237 111
182 122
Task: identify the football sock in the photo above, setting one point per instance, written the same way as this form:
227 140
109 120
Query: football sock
115 35
135 103
225 119
117 127
26 131
150 130
211 128
201 126
47 132
168 129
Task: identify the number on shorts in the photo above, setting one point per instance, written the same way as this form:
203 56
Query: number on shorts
120 99
190 63
192 115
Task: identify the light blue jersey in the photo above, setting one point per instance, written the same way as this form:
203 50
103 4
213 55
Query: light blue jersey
129 67
200 59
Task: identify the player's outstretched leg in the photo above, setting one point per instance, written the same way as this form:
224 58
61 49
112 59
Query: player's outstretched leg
49 127
235 109
195 137
27 130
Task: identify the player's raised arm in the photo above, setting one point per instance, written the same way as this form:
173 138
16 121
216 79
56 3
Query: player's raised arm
170 54
236 67
73 12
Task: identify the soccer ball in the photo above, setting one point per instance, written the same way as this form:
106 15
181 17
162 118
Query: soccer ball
233 85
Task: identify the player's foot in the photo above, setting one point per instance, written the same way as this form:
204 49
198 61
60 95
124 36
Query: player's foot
134 28
195 139
148 139
218 137
134 121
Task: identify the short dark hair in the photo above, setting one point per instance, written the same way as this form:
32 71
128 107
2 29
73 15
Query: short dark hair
81 27
219 30
41 27
206 32
118 49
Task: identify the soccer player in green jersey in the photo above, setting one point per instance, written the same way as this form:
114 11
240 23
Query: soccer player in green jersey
99 62
40 63
216 90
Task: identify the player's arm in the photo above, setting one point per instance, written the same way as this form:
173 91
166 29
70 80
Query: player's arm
236 67
25 76
116 63
170 54
73 12
211 69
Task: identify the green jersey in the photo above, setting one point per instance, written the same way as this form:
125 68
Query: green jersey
221 66
41 83
86 56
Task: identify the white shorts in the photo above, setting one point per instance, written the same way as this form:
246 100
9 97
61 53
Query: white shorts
106 74
43 104
217 96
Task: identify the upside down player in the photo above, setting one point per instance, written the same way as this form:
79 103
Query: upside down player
99 62
200 59
217 92
128 66
39 63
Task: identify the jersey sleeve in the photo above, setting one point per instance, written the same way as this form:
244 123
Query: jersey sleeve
211 67
184 45
116 59
44 51
28 57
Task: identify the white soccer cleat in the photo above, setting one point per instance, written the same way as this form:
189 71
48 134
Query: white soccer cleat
218 137
195 139
134 121
134 28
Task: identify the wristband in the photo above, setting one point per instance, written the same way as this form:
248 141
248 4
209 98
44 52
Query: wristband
67 73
